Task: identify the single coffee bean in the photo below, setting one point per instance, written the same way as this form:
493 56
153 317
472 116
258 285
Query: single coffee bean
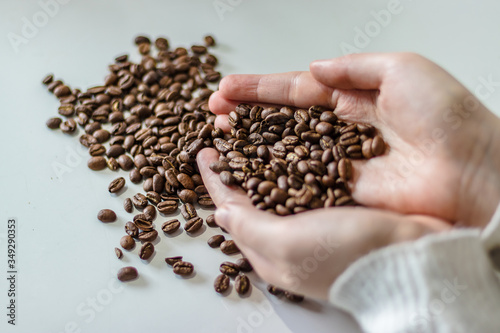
54 123
127 274
229 268
205 201
97 163
125 162
106 215
242 284
116 185
172 260
139 201
183 268
146 251
97 150
127 205
131 229
227 178
153 197
127 242
118 253
143 224
293 297
167 206
68 126
345 169
188 211
229 247
150 211
148 236
215 241
171 226
135 176
211 221
188 196
378 146
221 283
193 225
273 290
244 264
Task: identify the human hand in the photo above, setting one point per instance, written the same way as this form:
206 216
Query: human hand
305 253
442 159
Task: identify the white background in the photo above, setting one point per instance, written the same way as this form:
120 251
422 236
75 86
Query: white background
65 256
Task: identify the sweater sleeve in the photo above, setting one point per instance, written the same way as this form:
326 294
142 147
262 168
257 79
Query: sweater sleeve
440 283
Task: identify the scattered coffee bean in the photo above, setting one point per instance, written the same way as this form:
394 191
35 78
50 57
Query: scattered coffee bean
229 268
127 274
116 185
211 221
215 241
127 242
97 163
242 284
54 123
128 206
221 283
119 253
131 229
229 247
172 260
171 226
106 215
183 268
193 225
244 264
146 251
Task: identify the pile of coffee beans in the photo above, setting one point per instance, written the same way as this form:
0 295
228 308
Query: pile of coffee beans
152 118
292 160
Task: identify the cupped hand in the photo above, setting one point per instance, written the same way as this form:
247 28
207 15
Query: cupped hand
305 253
442 158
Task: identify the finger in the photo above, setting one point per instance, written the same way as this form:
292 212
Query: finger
298 89
356 71
249 226
222 122
220 105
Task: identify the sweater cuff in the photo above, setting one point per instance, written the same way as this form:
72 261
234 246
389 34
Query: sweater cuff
423 286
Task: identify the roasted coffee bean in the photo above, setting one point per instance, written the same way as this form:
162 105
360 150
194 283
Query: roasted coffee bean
219 166
242 284
183 268
127 242
193 225
131 229
68 126
172 260
116 185
127 274
139 201
273 290
244 265
188 196
188 211
54 123
106 215
293 297
148 236
211 221
215 241
125 162
185 181
229 268
167 206
209 41
229 247
221 283
118 253
205 201
171 226
378 146
345 169
227 178
150 211
153 197
146 251
97 150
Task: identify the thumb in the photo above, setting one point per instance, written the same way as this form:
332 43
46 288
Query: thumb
356 71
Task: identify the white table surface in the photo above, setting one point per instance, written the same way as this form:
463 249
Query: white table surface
66 264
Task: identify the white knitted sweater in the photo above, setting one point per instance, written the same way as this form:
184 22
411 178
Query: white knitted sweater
440 283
